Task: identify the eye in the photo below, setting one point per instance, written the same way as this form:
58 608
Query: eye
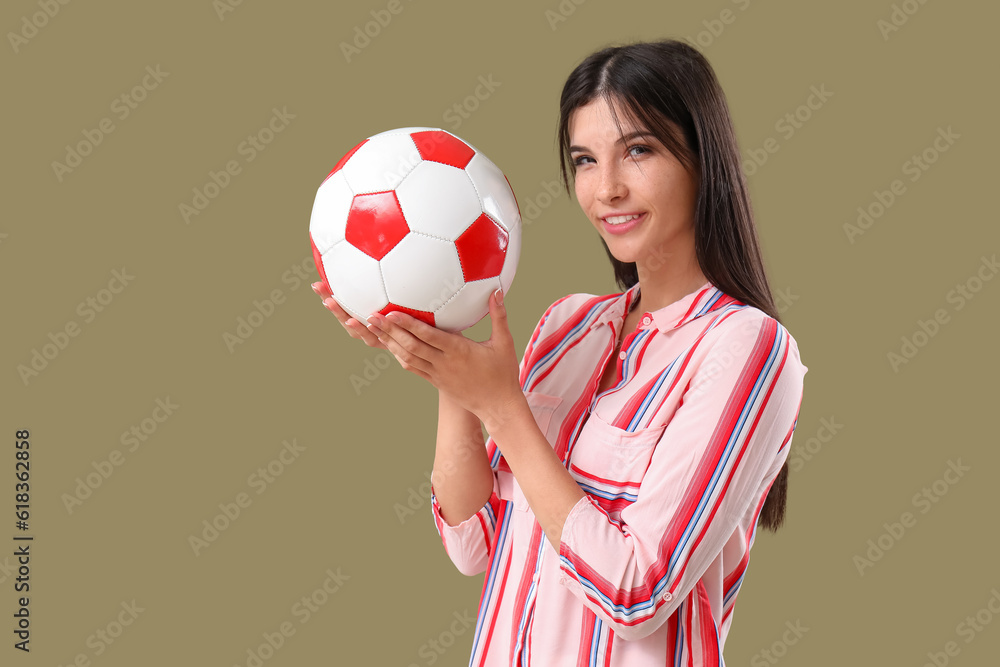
638 149
580 160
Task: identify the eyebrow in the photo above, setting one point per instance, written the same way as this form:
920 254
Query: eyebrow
623 140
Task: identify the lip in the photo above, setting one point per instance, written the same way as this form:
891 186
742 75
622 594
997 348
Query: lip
623 227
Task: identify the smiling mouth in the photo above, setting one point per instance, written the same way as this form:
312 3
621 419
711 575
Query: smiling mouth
620 219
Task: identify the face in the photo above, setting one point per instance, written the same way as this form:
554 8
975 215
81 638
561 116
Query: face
635 192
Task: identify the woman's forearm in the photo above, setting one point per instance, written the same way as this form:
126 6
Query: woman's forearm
462 476
548 487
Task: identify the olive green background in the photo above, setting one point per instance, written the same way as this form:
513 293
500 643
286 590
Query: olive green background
367 450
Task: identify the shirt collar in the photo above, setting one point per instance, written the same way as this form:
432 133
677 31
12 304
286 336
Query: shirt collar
702 300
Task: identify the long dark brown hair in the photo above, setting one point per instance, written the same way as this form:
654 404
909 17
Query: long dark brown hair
667 86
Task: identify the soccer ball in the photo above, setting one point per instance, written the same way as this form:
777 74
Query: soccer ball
416 220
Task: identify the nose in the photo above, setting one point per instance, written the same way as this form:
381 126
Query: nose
610 186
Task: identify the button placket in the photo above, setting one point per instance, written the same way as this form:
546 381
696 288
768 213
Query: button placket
531 607
622 355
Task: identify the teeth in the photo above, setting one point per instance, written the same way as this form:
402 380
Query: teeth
619 219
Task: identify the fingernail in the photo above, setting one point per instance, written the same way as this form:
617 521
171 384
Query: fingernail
499 294
315 287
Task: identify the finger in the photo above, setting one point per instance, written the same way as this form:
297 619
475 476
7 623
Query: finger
355 328
431 336
407 339
322 289
408 359
359 330
331 304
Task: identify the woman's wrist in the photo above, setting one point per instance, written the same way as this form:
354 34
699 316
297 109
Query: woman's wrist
506 414
452 409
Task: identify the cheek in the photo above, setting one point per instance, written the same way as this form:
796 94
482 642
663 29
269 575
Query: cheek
669 190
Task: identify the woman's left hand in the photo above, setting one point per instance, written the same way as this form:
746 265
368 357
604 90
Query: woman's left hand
482 377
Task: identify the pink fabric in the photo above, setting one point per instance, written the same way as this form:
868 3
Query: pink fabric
676 458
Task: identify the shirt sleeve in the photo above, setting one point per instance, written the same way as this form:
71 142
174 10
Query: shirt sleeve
469 544
719 452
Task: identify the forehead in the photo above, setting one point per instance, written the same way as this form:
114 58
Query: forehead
597 121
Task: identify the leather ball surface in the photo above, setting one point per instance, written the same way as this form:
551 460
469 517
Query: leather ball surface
416 220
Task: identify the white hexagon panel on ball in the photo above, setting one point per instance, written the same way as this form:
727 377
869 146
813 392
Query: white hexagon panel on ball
421 272
427 211
381 163
357 282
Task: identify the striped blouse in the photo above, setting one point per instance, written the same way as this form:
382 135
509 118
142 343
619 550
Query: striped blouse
676 459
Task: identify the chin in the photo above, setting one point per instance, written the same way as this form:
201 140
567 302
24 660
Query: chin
625 253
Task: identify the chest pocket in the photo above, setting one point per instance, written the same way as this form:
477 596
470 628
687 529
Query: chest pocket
543 407
609 463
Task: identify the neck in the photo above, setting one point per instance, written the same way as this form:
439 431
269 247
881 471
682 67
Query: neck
653 296
666 276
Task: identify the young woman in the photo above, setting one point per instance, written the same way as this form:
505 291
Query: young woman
643 436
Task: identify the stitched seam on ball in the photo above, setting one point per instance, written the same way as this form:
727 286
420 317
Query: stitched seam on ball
459 290
497 278
447 164
439 238
384 188
410 171
347 184
420 158
381 276
482 205
452 297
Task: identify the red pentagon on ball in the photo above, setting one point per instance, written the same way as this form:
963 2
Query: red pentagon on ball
482 249
438 146
421 315
375 223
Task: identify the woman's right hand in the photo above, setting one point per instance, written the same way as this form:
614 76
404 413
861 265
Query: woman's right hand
355 328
